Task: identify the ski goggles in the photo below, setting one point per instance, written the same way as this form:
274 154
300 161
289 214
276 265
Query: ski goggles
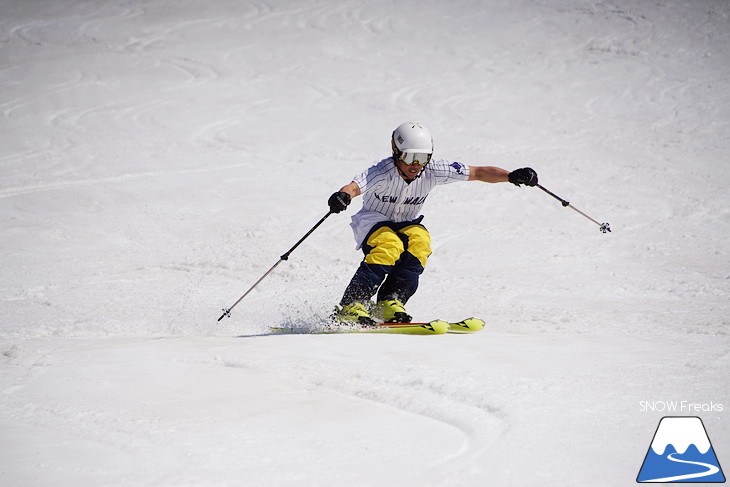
410 158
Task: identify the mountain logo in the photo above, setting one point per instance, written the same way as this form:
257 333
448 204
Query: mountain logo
680 452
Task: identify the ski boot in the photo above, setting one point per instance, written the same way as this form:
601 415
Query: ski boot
354 313
393 311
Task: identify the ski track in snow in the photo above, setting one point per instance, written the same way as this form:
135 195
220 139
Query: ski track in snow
411 390
158 157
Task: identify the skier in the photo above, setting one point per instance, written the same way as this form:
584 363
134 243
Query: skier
388 227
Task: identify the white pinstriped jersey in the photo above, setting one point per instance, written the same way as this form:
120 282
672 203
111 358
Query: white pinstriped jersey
388 197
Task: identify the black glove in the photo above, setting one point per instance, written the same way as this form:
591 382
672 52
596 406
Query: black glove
338 201
525 175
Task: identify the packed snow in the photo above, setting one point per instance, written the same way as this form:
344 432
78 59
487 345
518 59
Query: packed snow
158 157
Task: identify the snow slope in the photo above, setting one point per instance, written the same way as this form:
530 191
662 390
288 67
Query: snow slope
158 157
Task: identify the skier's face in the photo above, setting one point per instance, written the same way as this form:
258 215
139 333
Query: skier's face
409 172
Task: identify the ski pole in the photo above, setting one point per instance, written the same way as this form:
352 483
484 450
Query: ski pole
227 312
604 227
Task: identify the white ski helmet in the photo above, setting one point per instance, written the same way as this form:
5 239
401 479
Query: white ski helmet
411 138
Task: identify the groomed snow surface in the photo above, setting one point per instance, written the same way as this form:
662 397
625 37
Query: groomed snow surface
158 157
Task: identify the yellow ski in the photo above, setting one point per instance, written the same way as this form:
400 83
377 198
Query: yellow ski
435 327
466 326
